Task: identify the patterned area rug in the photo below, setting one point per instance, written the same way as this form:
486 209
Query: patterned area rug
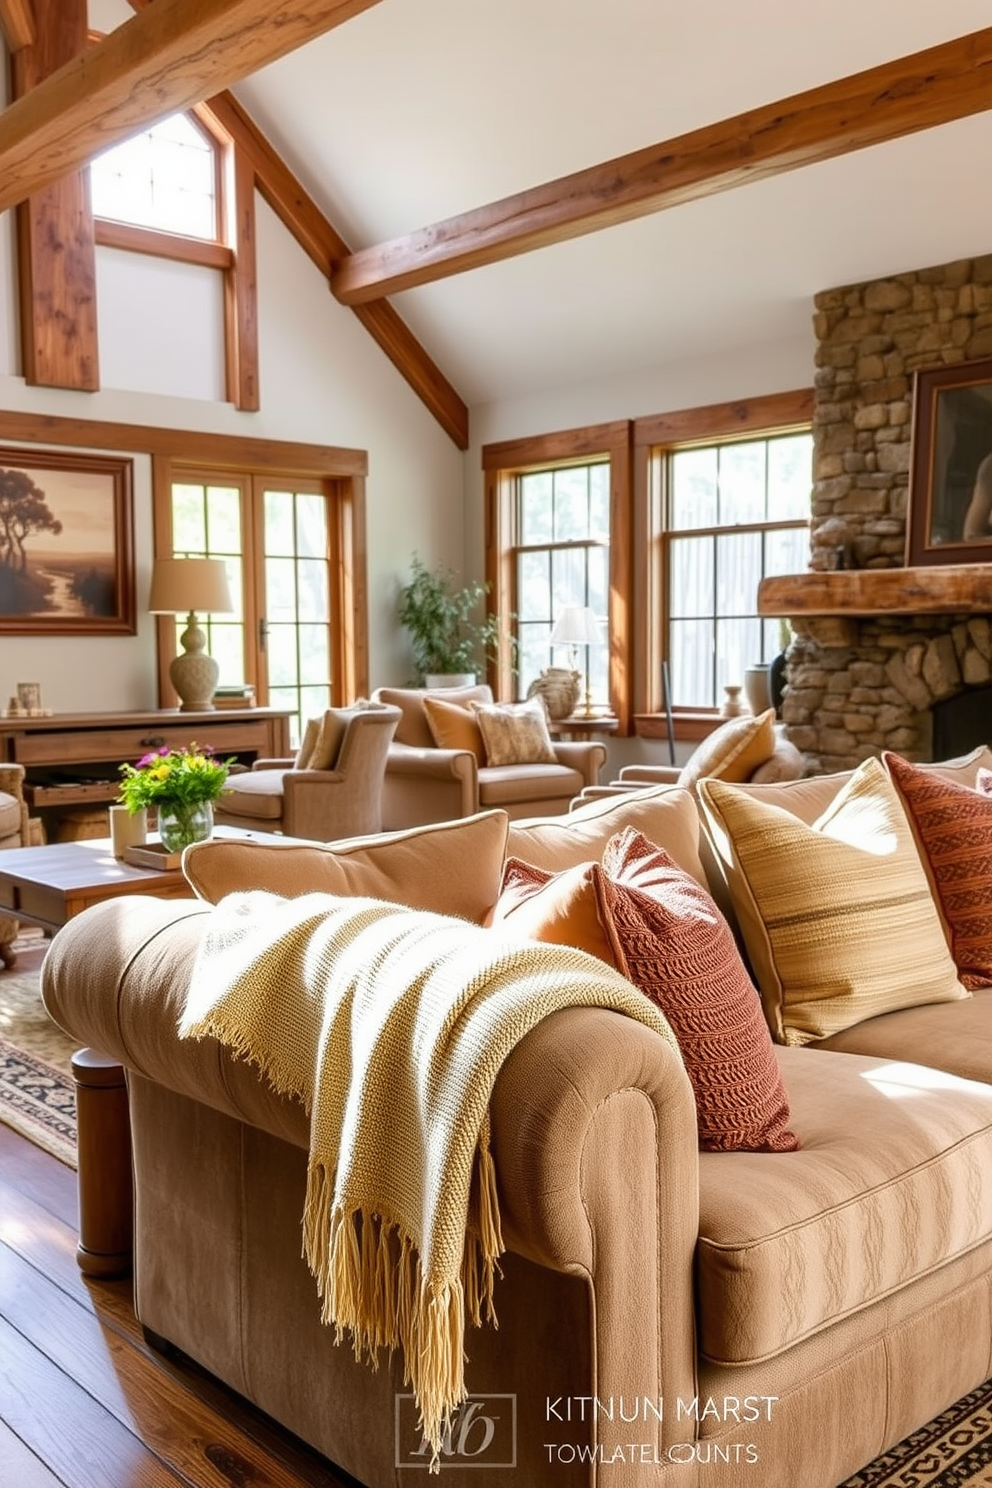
953 1451
37 1094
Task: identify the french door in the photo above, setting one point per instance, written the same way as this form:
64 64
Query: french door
280 541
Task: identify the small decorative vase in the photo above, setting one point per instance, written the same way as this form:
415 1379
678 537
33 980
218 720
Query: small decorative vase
732 705
179 825
560 688
756 687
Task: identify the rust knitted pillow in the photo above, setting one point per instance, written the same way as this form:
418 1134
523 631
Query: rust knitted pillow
953 828
664 932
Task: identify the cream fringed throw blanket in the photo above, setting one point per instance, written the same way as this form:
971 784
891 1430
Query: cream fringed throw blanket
391 1026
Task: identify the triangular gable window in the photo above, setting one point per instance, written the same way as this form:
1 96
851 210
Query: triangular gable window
164 178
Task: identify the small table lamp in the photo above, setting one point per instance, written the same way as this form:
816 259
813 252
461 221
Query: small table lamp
181 586
577 626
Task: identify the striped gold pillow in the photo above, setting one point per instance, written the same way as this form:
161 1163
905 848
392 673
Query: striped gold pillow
838 918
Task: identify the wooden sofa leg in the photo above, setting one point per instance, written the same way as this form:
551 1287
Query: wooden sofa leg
106 1225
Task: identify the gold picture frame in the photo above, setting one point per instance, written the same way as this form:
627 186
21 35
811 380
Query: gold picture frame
66 544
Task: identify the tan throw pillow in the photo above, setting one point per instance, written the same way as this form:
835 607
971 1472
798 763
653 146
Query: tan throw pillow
305 751
665 814
449 867
330 734
734 750
516 733
454 726
837 917
640 912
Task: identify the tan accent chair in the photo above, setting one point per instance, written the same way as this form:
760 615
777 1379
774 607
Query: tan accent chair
17 829
344 800
427 784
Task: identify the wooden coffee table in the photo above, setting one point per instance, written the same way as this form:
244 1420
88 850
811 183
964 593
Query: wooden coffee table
46 886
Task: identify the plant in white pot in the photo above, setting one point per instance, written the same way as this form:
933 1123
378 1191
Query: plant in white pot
449 645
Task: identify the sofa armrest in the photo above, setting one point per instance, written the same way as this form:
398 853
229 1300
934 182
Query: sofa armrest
274 764
587 756
428 785
595 1146
650 774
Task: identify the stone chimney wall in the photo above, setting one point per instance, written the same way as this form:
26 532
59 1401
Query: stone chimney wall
857 686
871 338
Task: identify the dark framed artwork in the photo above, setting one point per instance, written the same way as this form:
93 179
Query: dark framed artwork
66 544
950 493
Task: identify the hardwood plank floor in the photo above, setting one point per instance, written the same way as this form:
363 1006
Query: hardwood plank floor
85 1402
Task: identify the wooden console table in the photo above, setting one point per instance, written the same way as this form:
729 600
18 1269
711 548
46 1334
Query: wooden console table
72 760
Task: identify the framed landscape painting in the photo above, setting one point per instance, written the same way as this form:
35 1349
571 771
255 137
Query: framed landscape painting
950 493
66 544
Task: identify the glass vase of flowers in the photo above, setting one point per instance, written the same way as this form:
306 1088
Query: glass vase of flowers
181 785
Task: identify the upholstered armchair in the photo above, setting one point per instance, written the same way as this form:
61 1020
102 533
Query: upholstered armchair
333 787
16 830
749 749
439 768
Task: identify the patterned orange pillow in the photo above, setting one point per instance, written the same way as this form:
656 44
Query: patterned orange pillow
662 930
953 828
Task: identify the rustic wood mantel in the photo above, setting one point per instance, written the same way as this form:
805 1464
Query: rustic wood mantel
961 589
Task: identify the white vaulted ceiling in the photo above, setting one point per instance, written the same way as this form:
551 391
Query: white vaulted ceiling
417 110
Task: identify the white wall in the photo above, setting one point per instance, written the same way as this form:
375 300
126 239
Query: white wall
323 380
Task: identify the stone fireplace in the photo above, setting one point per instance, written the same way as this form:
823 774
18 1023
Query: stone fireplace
875 651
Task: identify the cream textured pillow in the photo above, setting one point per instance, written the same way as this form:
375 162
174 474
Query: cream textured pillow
837 917
515 733
452 867
734 750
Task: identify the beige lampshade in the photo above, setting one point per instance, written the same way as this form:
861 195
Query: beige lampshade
181 586
576 626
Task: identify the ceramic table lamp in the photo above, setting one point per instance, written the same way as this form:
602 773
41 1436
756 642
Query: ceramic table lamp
577 626
181 586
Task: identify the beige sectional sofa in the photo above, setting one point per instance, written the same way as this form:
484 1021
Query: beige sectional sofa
667 1316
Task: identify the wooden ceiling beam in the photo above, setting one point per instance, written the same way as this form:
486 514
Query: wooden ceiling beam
321 243
17 24
932 87
168 57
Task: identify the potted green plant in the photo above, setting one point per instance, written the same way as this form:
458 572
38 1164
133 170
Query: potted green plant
449 645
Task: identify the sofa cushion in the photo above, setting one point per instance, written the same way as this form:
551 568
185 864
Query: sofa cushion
666 815
734 750
953 828
451 867
412 727
257 794
515 733
640 912
888 1185
837 917
508 785
454 726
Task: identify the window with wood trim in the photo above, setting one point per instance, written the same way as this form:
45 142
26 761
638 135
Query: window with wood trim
558 519
736 511
722 499
166 178
283 540
182 190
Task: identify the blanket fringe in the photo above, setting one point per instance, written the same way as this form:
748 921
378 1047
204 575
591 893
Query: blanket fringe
372 1288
